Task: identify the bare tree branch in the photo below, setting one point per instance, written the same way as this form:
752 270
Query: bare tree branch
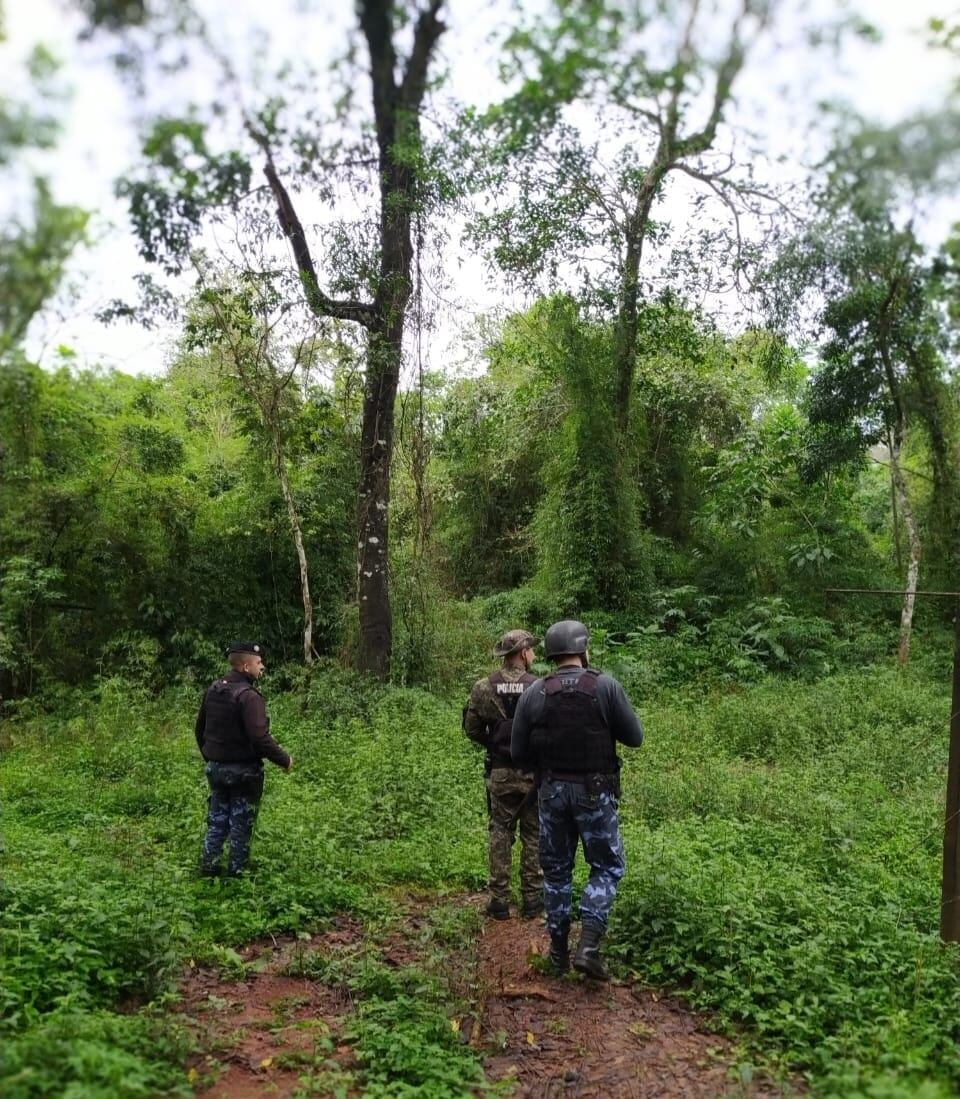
726 74
426 36
319 303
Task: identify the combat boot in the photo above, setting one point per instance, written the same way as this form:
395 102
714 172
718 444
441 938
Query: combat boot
587 959
559 951
497 909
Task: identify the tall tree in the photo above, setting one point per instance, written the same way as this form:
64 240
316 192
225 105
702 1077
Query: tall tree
581 154
367 277
246 344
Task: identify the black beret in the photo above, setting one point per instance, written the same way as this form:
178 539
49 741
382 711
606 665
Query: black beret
245 647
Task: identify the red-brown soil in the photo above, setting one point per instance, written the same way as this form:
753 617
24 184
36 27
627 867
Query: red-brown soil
584 1039
257 1033
569 1037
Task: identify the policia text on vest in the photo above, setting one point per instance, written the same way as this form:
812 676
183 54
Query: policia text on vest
511 793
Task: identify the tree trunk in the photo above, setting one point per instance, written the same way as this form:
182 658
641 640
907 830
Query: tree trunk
376 449
625 329
625 334
915 550
297 531
396 110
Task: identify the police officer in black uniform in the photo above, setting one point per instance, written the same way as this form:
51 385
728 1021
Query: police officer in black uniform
233 734
566 727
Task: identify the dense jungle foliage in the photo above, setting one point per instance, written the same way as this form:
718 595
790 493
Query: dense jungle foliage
616 448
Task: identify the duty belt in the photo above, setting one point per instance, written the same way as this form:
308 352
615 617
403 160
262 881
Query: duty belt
575 776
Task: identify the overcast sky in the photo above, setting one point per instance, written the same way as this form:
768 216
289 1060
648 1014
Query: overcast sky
99 142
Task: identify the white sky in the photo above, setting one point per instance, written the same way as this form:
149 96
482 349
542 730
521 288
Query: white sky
778 95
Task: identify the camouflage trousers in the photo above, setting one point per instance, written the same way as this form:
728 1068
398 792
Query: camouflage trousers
235 791
568 815
513 802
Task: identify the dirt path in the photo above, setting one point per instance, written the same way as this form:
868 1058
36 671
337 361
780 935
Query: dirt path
568 1038
258 1033
577 1038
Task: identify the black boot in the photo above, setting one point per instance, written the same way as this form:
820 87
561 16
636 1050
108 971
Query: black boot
559 951
498 909
587 959
532 908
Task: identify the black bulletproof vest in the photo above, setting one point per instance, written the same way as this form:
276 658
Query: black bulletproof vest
508 694
571 736
224 732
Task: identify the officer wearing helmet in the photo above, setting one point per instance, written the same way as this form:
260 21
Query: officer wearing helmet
511 791
566 728
233 734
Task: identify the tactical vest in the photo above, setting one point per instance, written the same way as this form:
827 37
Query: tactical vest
571 736
508 694
224 731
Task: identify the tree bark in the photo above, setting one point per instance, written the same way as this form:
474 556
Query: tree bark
376 450
625 328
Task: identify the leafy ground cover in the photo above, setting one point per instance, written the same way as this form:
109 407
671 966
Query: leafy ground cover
783 846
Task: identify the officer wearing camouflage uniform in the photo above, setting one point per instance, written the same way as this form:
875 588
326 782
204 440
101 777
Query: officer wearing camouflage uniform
233 734
566 727
511 792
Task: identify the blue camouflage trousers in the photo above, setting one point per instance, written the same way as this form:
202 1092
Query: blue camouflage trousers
568 814
235 791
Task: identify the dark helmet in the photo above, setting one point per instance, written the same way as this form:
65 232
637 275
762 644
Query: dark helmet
513 642
566 638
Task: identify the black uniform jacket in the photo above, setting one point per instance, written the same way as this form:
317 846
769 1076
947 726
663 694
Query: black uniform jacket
245 737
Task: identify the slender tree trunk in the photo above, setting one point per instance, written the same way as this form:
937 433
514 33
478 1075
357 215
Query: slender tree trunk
625 334
895 512
915 549
625 329
297 532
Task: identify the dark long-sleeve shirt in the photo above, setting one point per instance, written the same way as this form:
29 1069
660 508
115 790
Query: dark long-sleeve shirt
250 740
624 725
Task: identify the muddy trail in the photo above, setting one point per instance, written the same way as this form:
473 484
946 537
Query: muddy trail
279 1022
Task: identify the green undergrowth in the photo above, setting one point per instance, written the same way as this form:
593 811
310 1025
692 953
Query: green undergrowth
785 855
783 846
402 1029
104 810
